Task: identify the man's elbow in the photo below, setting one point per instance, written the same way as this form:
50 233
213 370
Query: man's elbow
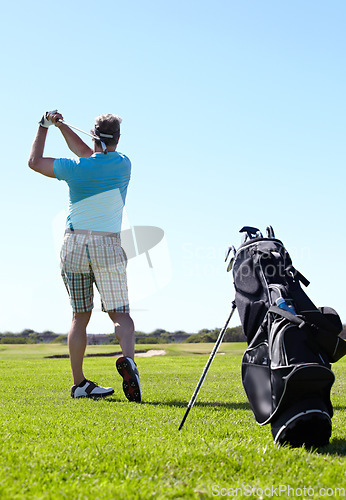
32 162
41 165
35 163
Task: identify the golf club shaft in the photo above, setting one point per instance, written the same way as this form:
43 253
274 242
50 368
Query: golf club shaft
206 368
76 128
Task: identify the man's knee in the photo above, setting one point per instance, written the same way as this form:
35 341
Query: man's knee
123 323
81 318
118 317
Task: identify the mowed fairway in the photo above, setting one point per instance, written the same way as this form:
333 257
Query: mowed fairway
53 447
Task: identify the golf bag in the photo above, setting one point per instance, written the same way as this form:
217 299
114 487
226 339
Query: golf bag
286 368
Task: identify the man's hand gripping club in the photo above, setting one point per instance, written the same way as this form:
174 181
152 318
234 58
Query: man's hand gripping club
51 118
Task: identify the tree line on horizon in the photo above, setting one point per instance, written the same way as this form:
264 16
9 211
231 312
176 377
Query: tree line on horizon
158 336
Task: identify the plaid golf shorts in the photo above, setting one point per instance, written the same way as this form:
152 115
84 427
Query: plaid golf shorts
89 257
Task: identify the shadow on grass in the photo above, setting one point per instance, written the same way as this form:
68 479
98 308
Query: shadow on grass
335 447
112 400
201 404
183 404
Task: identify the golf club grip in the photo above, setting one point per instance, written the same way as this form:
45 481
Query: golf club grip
206 368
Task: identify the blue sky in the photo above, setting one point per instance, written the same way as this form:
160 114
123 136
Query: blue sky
233 114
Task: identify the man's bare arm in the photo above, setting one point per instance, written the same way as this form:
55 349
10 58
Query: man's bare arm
73 141
36 161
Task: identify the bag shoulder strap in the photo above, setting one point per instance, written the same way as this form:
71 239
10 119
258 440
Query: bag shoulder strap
293 318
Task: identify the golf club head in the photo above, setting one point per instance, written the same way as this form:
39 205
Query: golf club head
270 232
251 232
228 251
244 238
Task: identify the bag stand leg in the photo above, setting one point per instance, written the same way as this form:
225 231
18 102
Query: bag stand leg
206 368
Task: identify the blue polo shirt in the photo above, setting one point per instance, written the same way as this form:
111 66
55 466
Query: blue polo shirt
97 190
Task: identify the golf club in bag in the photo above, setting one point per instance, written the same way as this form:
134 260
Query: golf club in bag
206 368
286 370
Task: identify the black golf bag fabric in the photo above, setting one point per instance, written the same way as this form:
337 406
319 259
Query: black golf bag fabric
286 371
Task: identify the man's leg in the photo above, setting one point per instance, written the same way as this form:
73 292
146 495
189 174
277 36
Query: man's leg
124 332
77 341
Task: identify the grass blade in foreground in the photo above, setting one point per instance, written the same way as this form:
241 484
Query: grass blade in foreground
206 368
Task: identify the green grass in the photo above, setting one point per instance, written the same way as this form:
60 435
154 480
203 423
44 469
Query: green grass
53 447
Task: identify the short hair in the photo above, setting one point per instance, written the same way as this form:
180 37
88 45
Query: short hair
110 125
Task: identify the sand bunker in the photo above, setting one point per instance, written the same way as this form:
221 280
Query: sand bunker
151 352
143 354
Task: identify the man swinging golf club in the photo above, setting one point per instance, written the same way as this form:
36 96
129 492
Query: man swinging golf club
91 251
